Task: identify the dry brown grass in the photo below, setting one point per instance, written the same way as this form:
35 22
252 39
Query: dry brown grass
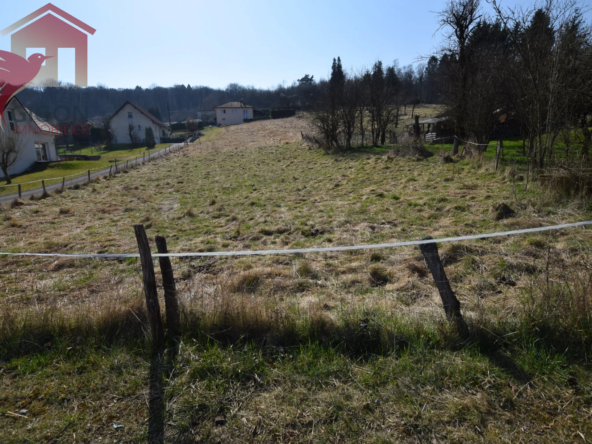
247 189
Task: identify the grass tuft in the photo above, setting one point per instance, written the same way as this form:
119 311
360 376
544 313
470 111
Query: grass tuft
379 276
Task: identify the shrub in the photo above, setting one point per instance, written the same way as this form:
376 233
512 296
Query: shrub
256 118
282 113
192 126
150 140
247 282
376 257
306 270
379 276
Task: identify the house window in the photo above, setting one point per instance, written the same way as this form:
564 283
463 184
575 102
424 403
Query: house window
129 115
245 113
223 111
11 121
41 150
233 111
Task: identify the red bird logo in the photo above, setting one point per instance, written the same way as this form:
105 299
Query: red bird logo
16 73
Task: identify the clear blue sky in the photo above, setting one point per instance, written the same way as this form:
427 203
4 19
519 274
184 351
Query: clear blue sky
251 42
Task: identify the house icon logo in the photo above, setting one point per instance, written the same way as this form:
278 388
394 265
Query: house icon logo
52 28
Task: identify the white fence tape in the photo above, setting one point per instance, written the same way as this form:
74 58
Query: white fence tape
321 249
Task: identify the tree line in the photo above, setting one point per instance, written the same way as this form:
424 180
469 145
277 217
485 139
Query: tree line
528 68
532 65
77 105
367 104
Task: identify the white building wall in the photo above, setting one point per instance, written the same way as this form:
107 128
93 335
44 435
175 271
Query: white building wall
27 128
232 118
120 124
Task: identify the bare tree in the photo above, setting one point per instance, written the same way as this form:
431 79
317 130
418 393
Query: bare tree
375 82
191 125
108 131
133 135
327 108
363 102
459 18
551 50
349 108
488 83
12 146
326 117
384 101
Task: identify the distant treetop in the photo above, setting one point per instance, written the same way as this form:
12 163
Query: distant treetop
306 80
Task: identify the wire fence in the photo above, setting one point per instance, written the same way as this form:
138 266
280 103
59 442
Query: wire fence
469 281
332 281
53 183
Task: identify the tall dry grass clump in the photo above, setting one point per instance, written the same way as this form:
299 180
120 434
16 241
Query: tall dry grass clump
568 183
560 312
33 330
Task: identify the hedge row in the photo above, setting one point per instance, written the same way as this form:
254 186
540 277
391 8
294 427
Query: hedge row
256 118
282 113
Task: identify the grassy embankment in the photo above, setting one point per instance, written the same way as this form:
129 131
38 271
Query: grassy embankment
322 347
57 170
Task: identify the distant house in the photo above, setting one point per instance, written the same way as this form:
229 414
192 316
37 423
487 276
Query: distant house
139 119
36 137
233 113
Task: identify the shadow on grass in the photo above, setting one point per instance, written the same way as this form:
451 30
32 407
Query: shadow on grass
508 365
162 365
360 337
362 151
156 405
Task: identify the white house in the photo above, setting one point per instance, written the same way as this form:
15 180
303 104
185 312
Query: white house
35 137
233 113
139 119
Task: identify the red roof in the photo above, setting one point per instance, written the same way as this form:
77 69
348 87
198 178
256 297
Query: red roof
49 7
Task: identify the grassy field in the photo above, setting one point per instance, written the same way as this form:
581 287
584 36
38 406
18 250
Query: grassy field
332 347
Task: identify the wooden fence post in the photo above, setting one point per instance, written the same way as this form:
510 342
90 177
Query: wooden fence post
88 173
43 185
455 146
170 291
449 300
498 152
152 305
63 183
19 191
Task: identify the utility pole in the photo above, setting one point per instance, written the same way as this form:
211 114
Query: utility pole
170 124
